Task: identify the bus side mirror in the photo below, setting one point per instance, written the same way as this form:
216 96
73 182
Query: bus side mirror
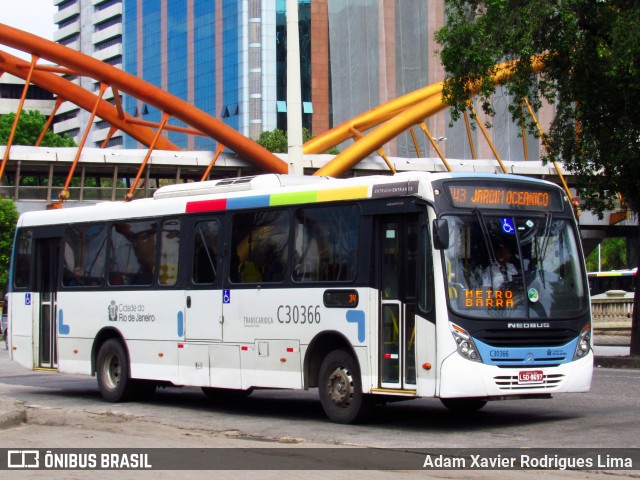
440 234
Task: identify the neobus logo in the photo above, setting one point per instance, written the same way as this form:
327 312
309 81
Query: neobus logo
529 325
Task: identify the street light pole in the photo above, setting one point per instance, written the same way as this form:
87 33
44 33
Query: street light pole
294 100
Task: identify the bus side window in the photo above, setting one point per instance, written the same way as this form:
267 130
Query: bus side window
205 252
169 252
84 255
133 253
259 247
326 243
23 259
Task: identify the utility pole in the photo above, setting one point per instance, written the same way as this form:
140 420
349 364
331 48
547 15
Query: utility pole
294 100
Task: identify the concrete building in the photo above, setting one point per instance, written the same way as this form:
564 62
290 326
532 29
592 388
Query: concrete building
11 89
228 58
93 27
225 57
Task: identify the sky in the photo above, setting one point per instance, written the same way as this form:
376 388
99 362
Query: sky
33 16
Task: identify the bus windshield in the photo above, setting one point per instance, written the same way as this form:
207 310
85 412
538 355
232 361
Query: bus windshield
523 266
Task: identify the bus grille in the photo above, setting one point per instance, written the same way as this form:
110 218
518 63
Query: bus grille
510 382
549 337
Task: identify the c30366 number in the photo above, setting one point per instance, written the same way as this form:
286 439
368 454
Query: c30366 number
299 314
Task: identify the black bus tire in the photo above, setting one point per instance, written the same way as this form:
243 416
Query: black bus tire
340 389
113 372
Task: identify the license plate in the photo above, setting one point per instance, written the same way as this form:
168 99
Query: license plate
531 376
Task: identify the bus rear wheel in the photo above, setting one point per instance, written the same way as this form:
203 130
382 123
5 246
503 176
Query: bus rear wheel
340 388
113 372
463 405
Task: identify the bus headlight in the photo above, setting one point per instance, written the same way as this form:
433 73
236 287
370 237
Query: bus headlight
584 343
465 344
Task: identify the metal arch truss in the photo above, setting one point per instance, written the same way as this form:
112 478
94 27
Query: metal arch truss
72 62
383 123
389 120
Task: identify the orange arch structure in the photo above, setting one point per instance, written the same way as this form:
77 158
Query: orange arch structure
389 120
82 98
76 63
371 129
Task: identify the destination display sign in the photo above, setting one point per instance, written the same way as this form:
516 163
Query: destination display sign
509 197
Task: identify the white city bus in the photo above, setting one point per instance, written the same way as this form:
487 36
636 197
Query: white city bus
370 289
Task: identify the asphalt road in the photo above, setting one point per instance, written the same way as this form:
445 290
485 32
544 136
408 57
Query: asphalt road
67 411
607 416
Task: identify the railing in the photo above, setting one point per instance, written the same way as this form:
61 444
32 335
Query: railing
612 310
86 194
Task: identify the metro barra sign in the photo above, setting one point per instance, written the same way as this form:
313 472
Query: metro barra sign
488 298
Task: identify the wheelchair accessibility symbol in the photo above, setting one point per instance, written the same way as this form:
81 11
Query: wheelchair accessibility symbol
507 225
226 296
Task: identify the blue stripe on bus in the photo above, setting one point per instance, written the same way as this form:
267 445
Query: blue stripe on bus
526 356
357 317
248 202
62 328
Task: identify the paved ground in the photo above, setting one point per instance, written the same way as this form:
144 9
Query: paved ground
34 427
612 351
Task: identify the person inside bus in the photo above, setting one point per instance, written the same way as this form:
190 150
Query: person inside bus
78 278
502 270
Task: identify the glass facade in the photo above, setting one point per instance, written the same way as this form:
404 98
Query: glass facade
151 70
177 54
204 65
180 50
192 80
231 63
383 49
228 58
130 47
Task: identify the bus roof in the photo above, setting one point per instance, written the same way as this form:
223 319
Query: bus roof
258 191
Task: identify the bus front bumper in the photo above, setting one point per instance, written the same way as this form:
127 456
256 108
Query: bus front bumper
460 377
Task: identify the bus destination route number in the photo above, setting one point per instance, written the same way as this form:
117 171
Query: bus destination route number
510 198
299 314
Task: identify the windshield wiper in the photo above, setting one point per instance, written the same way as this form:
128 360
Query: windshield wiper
485 234
545 244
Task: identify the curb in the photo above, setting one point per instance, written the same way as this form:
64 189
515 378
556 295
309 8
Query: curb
12 415
617 362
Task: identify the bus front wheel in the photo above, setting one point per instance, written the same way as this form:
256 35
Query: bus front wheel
113 372
340 388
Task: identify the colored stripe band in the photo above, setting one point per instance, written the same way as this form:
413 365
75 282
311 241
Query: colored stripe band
278 199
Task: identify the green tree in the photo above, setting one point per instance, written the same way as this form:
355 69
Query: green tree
29 127
8 220
591 75
613 255
276 141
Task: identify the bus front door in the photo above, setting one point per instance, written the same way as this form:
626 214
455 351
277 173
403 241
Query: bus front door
48 260
398 240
